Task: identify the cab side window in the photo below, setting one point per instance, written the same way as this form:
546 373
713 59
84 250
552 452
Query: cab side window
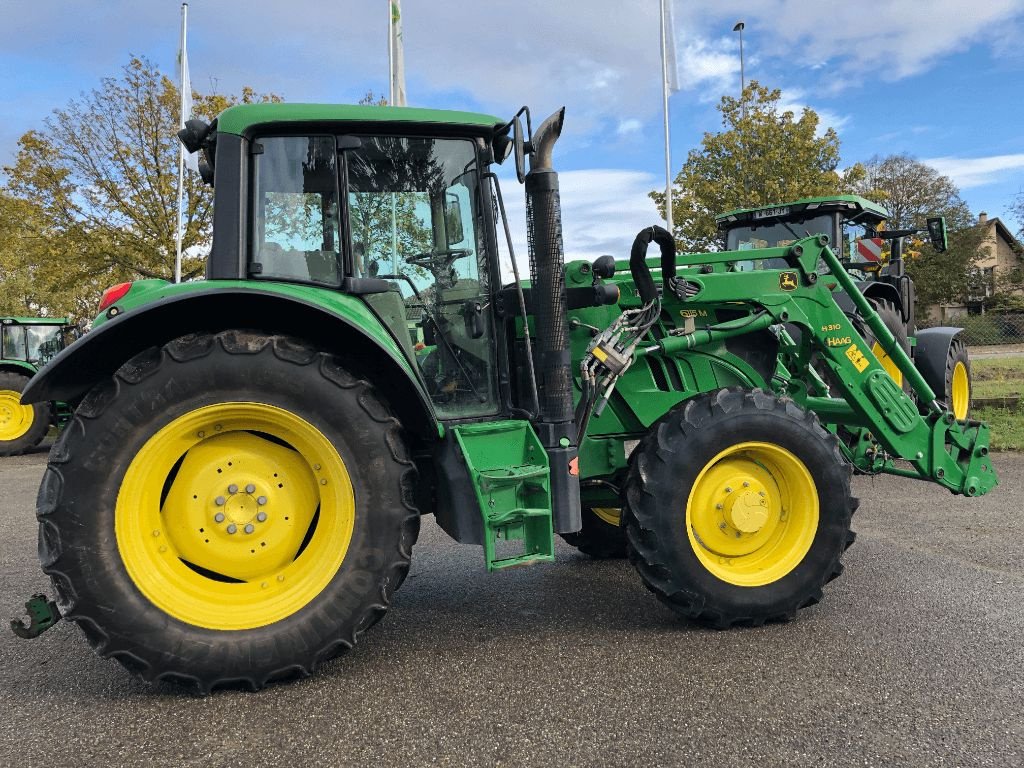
295 226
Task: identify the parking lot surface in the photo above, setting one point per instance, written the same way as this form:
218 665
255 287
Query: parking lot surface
914 657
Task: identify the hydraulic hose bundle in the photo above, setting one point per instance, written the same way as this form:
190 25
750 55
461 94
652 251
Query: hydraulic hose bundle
611 352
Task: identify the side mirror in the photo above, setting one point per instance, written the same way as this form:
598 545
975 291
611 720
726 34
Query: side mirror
453 219
937 233
519 148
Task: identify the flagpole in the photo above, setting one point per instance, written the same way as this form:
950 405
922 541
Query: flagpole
391 55
181 147
664 104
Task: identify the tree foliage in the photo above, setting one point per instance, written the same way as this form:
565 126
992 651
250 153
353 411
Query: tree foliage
765 154
100 180
913 191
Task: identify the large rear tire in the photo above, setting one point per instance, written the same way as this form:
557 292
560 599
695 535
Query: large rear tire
22 427
739 508
958 380
228 510
890 315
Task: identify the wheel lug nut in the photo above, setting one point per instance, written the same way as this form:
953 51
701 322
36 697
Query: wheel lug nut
719 506
219 517
232 488
232 528
220 501
261 516
261 500
728 489
249 527
250 488
746 484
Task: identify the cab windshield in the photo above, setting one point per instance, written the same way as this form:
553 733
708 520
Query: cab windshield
777 234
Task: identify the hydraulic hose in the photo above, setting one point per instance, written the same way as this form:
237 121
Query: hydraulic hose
638 261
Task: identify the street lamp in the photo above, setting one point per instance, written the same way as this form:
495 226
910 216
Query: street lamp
743 83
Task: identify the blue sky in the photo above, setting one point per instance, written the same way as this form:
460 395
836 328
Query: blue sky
940 80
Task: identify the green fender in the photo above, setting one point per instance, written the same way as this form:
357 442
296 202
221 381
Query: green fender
155 312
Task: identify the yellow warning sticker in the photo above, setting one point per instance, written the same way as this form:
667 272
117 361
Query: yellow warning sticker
857 358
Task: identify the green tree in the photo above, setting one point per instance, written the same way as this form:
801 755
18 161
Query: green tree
763 155
912 191
101 174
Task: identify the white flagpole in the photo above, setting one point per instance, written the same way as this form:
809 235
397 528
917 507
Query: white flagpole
391 55
181 147
664 101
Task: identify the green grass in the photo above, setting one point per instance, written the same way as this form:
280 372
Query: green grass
1000 377
1007 427
997 376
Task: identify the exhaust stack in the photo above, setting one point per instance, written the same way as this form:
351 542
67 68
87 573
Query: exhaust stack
555 422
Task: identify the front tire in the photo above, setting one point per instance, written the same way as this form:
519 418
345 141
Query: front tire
229 509
22 427
739 508
602 536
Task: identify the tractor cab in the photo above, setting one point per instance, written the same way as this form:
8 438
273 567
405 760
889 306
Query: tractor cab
34 340
847 220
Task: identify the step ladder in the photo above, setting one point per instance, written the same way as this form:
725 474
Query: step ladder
509 470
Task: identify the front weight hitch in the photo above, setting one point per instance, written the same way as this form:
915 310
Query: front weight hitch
42 614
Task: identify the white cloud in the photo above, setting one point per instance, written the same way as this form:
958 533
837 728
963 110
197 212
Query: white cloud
602 210
793 101
891 38
970 172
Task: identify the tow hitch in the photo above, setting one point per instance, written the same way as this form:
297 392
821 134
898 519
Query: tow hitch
42 614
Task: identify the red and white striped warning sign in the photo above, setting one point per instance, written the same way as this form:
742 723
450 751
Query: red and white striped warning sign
870 249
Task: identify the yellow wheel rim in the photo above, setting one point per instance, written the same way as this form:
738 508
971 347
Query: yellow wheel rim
15 419
960 390
257 515
609 515
888 363
752 514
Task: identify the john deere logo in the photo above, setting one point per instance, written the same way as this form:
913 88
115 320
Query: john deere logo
787 281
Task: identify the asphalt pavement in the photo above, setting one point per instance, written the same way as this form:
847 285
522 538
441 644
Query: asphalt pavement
914 657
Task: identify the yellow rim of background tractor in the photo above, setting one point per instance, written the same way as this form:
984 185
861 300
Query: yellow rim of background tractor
888 363
610 515
15 419
752 514
241 509
960 389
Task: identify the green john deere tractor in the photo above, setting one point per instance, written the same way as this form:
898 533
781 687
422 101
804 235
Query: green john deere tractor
857 227
241 490
26 344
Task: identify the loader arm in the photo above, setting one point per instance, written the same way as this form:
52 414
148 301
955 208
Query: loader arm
936 446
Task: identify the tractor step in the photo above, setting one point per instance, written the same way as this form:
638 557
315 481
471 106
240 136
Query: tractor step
510 474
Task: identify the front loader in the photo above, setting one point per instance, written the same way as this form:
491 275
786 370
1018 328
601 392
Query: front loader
237 498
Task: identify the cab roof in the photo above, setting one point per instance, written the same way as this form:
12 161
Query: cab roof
853 204
33 321
239 118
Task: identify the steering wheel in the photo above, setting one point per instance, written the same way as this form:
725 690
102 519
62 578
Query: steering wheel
445 255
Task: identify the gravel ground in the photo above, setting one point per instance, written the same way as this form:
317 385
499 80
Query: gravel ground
915 657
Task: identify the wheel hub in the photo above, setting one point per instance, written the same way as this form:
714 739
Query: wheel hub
747 511
15 419
240 506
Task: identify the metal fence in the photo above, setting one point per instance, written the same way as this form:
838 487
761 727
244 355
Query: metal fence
990 329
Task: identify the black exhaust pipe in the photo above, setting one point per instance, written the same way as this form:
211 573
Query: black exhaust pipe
555 423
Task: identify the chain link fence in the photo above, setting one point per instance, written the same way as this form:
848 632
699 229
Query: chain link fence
995 329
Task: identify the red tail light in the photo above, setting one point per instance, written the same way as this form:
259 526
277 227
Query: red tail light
114 294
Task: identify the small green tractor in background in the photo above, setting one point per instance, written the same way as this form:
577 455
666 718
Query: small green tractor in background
857 227
238 497
27 344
